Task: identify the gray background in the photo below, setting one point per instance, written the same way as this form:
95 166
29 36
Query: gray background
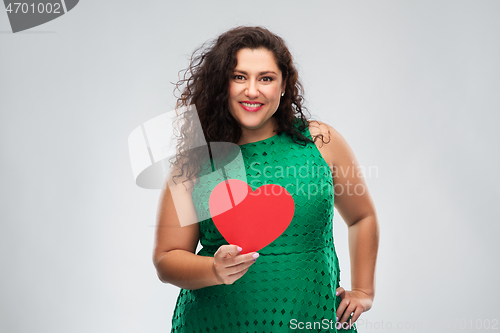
412 85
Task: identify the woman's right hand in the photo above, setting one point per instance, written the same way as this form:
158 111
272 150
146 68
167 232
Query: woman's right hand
230 265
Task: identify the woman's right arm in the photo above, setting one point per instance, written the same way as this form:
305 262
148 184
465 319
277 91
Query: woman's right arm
175 245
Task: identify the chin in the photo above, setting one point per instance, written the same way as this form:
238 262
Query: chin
248 120
251 124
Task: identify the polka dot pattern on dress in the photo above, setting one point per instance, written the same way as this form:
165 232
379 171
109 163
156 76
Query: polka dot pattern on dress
296 276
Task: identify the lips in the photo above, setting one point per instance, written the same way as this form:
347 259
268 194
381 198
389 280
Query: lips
251 106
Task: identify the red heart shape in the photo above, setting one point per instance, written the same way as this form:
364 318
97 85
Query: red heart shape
251 220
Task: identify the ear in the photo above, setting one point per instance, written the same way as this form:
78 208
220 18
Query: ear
283 87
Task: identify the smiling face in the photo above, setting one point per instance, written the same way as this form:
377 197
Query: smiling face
255 90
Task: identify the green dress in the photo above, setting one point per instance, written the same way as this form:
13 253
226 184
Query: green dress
292 284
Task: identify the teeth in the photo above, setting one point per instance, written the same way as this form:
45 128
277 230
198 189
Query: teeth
251 105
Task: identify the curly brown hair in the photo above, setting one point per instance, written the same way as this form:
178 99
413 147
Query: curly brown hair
206 86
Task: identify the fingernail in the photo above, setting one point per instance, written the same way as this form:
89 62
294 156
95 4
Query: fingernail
337 293
239 249
336 318
255 255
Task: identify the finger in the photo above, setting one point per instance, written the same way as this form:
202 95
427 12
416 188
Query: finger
226 275
242 258
228 251
238 275
340 292
342 314
356 315
347 313
239 267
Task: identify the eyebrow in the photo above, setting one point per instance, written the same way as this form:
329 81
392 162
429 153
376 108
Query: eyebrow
261 73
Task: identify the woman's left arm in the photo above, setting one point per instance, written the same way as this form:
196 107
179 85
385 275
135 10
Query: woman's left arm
355 205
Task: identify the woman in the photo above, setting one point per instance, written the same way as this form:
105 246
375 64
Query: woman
246 91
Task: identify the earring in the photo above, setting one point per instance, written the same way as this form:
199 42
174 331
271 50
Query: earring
282 94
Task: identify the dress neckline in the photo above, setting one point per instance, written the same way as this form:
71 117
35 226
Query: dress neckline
257 142
306 133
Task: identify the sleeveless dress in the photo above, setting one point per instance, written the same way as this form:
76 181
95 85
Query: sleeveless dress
291 286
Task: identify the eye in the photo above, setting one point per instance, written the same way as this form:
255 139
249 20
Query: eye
267 79
238 77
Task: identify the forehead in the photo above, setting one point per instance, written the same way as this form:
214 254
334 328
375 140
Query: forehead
256 60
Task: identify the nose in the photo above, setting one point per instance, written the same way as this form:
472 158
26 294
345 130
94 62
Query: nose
252 90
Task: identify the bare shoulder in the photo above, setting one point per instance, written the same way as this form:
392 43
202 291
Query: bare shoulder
329 141
318 128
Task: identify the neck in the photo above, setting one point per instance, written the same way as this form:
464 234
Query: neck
252 135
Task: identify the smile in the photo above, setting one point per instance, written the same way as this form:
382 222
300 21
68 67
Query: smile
252 107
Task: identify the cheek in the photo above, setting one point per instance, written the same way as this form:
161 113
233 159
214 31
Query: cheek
233 100
233 91
273 92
